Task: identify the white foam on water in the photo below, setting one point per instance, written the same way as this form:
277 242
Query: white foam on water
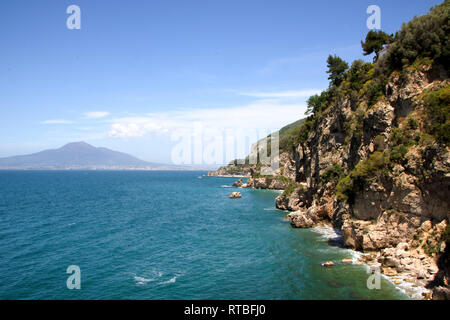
171 280
142 280
329 233
226 186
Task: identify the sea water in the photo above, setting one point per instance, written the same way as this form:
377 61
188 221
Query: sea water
162 235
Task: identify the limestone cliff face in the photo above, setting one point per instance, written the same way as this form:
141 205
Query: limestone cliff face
406 202
417 188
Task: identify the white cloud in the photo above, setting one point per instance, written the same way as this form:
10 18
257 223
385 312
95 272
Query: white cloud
283 94
96 114
57 121
261 114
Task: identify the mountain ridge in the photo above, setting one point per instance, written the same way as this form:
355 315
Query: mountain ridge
81 155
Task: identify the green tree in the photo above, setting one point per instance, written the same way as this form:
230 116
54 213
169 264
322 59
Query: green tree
336 69
424 36
317 103
375 41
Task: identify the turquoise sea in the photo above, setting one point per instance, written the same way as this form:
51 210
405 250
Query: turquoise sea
162 235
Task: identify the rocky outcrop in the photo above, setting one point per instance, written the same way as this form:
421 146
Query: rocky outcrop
238 183
294 201
388 230
309 217
303 219
233 169
268 182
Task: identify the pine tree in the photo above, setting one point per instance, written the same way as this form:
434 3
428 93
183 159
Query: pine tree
336 68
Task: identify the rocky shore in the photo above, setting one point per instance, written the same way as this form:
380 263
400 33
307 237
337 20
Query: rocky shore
222 172
386 246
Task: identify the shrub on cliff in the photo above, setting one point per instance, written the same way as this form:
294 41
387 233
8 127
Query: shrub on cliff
358 74
373 90
376 165
403 136
437 110
289 189
345 190
398 153
333 173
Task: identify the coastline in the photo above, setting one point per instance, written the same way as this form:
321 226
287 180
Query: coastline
415 290
227 176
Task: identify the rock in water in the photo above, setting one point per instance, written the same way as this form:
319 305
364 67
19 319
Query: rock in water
238 183
235 195
328 264
347 260
302 219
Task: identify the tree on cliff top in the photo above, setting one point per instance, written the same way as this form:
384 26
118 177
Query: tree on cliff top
426 36
336 68
375 41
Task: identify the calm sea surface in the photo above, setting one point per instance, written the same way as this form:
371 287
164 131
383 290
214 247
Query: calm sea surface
161 235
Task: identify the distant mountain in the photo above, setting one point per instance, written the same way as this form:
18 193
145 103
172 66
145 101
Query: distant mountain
80 155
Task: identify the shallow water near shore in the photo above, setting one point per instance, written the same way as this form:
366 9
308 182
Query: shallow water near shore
162 235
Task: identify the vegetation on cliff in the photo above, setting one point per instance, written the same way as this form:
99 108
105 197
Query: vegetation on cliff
425 36
437 105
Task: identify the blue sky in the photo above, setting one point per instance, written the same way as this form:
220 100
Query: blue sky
138 70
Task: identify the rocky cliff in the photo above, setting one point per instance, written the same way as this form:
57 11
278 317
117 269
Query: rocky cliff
373 160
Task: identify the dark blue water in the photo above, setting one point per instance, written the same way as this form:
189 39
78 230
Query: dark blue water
161 235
